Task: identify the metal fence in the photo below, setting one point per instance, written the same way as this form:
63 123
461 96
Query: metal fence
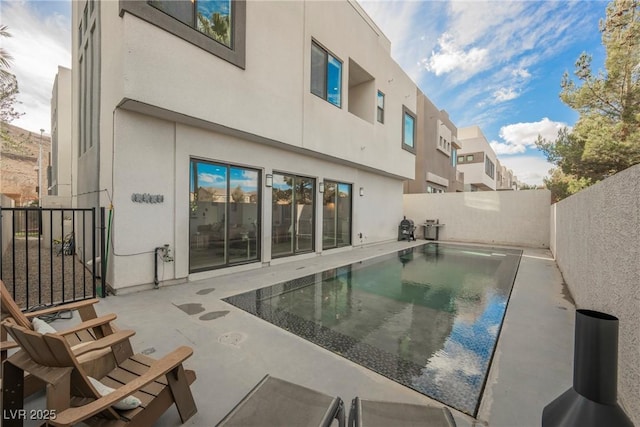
51 255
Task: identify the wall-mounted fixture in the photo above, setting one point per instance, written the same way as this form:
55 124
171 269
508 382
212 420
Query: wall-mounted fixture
321 187
268 182
361 191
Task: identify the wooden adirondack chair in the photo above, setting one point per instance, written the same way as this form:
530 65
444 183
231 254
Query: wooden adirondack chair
91 328
71 395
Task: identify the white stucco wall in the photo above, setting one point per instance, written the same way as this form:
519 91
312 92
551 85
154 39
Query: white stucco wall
271 97
158 163
519 218
61 122
263 116
597 248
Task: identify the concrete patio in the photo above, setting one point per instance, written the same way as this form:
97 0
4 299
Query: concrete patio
233 350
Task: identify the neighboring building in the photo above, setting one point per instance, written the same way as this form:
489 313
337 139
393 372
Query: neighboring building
504 178
60 171
516 183
271 130
477 160
436 151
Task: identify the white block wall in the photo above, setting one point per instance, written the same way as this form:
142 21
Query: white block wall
597 248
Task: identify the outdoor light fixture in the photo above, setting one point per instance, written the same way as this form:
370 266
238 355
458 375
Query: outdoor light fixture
361 191
321 187
269 180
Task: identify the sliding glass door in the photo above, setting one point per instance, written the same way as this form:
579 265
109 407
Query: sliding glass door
293 214
336 214
224 221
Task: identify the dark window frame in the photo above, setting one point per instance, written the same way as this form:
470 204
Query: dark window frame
337 183
234 55
327 53
407 112
314 204
380 110
259 205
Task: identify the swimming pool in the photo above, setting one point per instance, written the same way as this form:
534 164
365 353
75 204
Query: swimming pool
427 317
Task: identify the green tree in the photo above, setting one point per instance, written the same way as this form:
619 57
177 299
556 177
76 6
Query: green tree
216 27
562 185
606 137
237 195
8 93
5 57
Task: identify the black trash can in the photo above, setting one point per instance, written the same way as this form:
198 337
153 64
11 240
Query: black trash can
406 230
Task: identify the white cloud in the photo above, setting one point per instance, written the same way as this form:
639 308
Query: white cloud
209 178
521 73
517 139
451 57
505 94
502 148
38 46
528 169
527 133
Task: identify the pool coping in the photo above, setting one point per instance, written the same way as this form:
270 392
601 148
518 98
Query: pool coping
531 364
366 355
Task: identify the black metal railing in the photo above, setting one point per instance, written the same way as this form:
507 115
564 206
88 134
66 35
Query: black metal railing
49 255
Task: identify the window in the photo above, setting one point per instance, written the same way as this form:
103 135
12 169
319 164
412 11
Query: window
293 214
380 107
224 220
454 157
212 18
489 167
217 26
460 159
336 215
88 78
408 130
326 75
470 158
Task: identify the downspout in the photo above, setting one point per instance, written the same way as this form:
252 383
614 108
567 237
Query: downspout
163 251
106 252
156 282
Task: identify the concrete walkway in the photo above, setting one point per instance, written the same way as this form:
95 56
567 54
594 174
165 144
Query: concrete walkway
233 350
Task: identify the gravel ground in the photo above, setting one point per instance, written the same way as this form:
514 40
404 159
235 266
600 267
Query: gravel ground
57 273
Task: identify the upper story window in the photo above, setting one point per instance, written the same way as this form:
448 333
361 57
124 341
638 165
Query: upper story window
470 158
212 18
489 167
380 107
408 130
454 157
217 26
326 75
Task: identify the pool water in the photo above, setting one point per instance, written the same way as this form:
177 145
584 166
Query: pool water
427 317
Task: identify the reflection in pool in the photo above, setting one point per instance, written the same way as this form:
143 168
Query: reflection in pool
427 317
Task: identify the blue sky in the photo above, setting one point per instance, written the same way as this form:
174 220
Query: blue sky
495 64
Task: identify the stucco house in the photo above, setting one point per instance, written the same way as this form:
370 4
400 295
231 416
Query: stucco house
238 133
477 160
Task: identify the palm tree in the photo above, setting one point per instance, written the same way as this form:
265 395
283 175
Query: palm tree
217 27
5 57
